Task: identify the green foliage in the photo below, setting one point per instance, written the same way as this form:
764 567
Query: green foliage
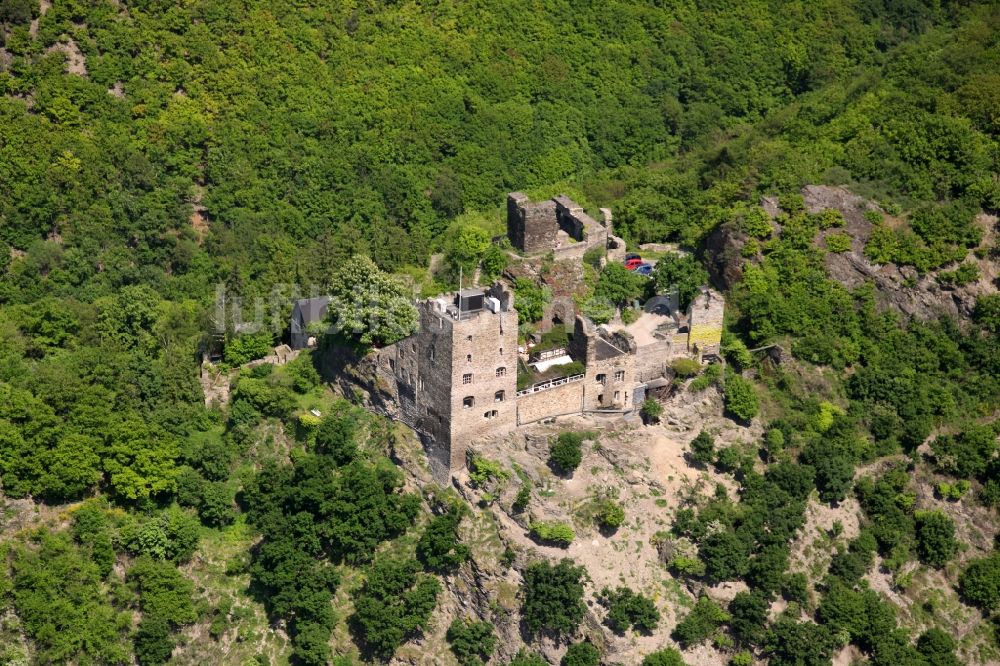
741 397
700 623
791 643
483 471
393 605
711 376
756 222
472 642
953 491
664 657
966 454
368 305
685 367
553 596
581 654
566 452
979 584
966 273
63 607
529 300
165 600
703 448
610 515
336 437
651 410
619 285
838 242
172 535
748 616
553 532
520 502
244 348
936 543
628 610
937 647
438 548
681 272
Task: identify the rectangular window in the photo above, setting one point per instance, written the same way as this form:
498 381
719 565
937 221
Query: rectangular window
619 375
490 414
468 358
602 378
617 395
467 378
498 396
468 401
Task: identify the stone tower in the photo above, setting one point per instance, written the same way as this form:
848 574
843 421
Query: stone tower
705 320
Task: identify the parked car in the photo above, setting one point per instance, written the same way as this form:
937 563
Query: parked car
633 264
632 255
645 269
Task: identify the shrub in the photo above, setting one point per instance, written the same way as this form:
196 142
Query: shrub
665 657
581 654
966 273
651 410
610 514
953 491
710 377
554 532
626 610
935 538
741 397
630 316
979 584
685 367
472 642
483 470
699 624
553 596
525 658
438 548
838 243
566 453
703 448
523 497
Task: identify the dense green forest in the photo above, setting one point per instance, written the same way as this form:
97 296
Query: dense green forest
152 150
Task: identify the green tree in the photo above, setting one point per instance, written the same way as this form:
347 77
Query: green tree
937 647
368 305
664 657
438 548
703 448
651 410
581 654
627 610
553 596
566 453
529 300
393 605
700 623
472 642
979 584
525 658
681 272
619 285
936 543
741 397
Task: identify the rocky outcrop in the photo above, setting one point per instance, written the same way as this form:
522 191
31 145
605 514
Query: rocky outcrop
724 255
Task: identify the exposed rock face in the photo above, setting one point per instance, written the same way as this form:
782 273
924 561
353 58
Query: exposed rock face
898 287
723 256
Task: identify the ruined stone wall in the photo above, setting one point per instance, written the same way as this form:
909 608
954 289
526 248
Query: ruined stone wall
653 360
558 401
705 318
531 227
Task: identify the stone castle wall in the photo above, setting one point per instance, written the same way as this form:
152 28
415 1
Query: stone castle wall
705 318
558 401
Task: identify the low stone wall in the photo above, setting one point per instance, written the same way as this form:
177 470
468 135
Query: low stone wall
557 401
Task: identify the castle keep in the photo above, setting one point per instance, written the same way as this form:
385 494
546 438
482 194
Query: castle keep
455 381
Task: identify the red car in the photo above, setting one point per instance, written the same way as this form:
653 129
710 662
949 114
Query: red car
633 264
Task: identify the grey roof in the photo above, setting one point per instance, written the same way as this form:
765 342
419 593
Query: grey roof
468 293
311 309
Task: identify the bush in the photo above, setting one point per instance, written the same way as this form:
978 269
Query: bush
630 316
566 453
627 610
651 410
700 623
685 367
936 543
665 657
525 658
553 596
471 642
216 508
610 514
523 497
553 532
741 397
581 654
438 548
703 448
979 584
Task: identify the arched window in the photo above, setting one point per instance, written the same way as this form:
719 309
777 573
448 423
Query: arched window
501 372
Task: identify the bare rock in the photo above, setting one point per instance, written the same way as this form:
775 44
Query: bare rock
723 254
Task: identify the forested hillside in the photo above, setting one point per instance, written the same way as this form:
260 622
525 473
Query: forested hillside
150 151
